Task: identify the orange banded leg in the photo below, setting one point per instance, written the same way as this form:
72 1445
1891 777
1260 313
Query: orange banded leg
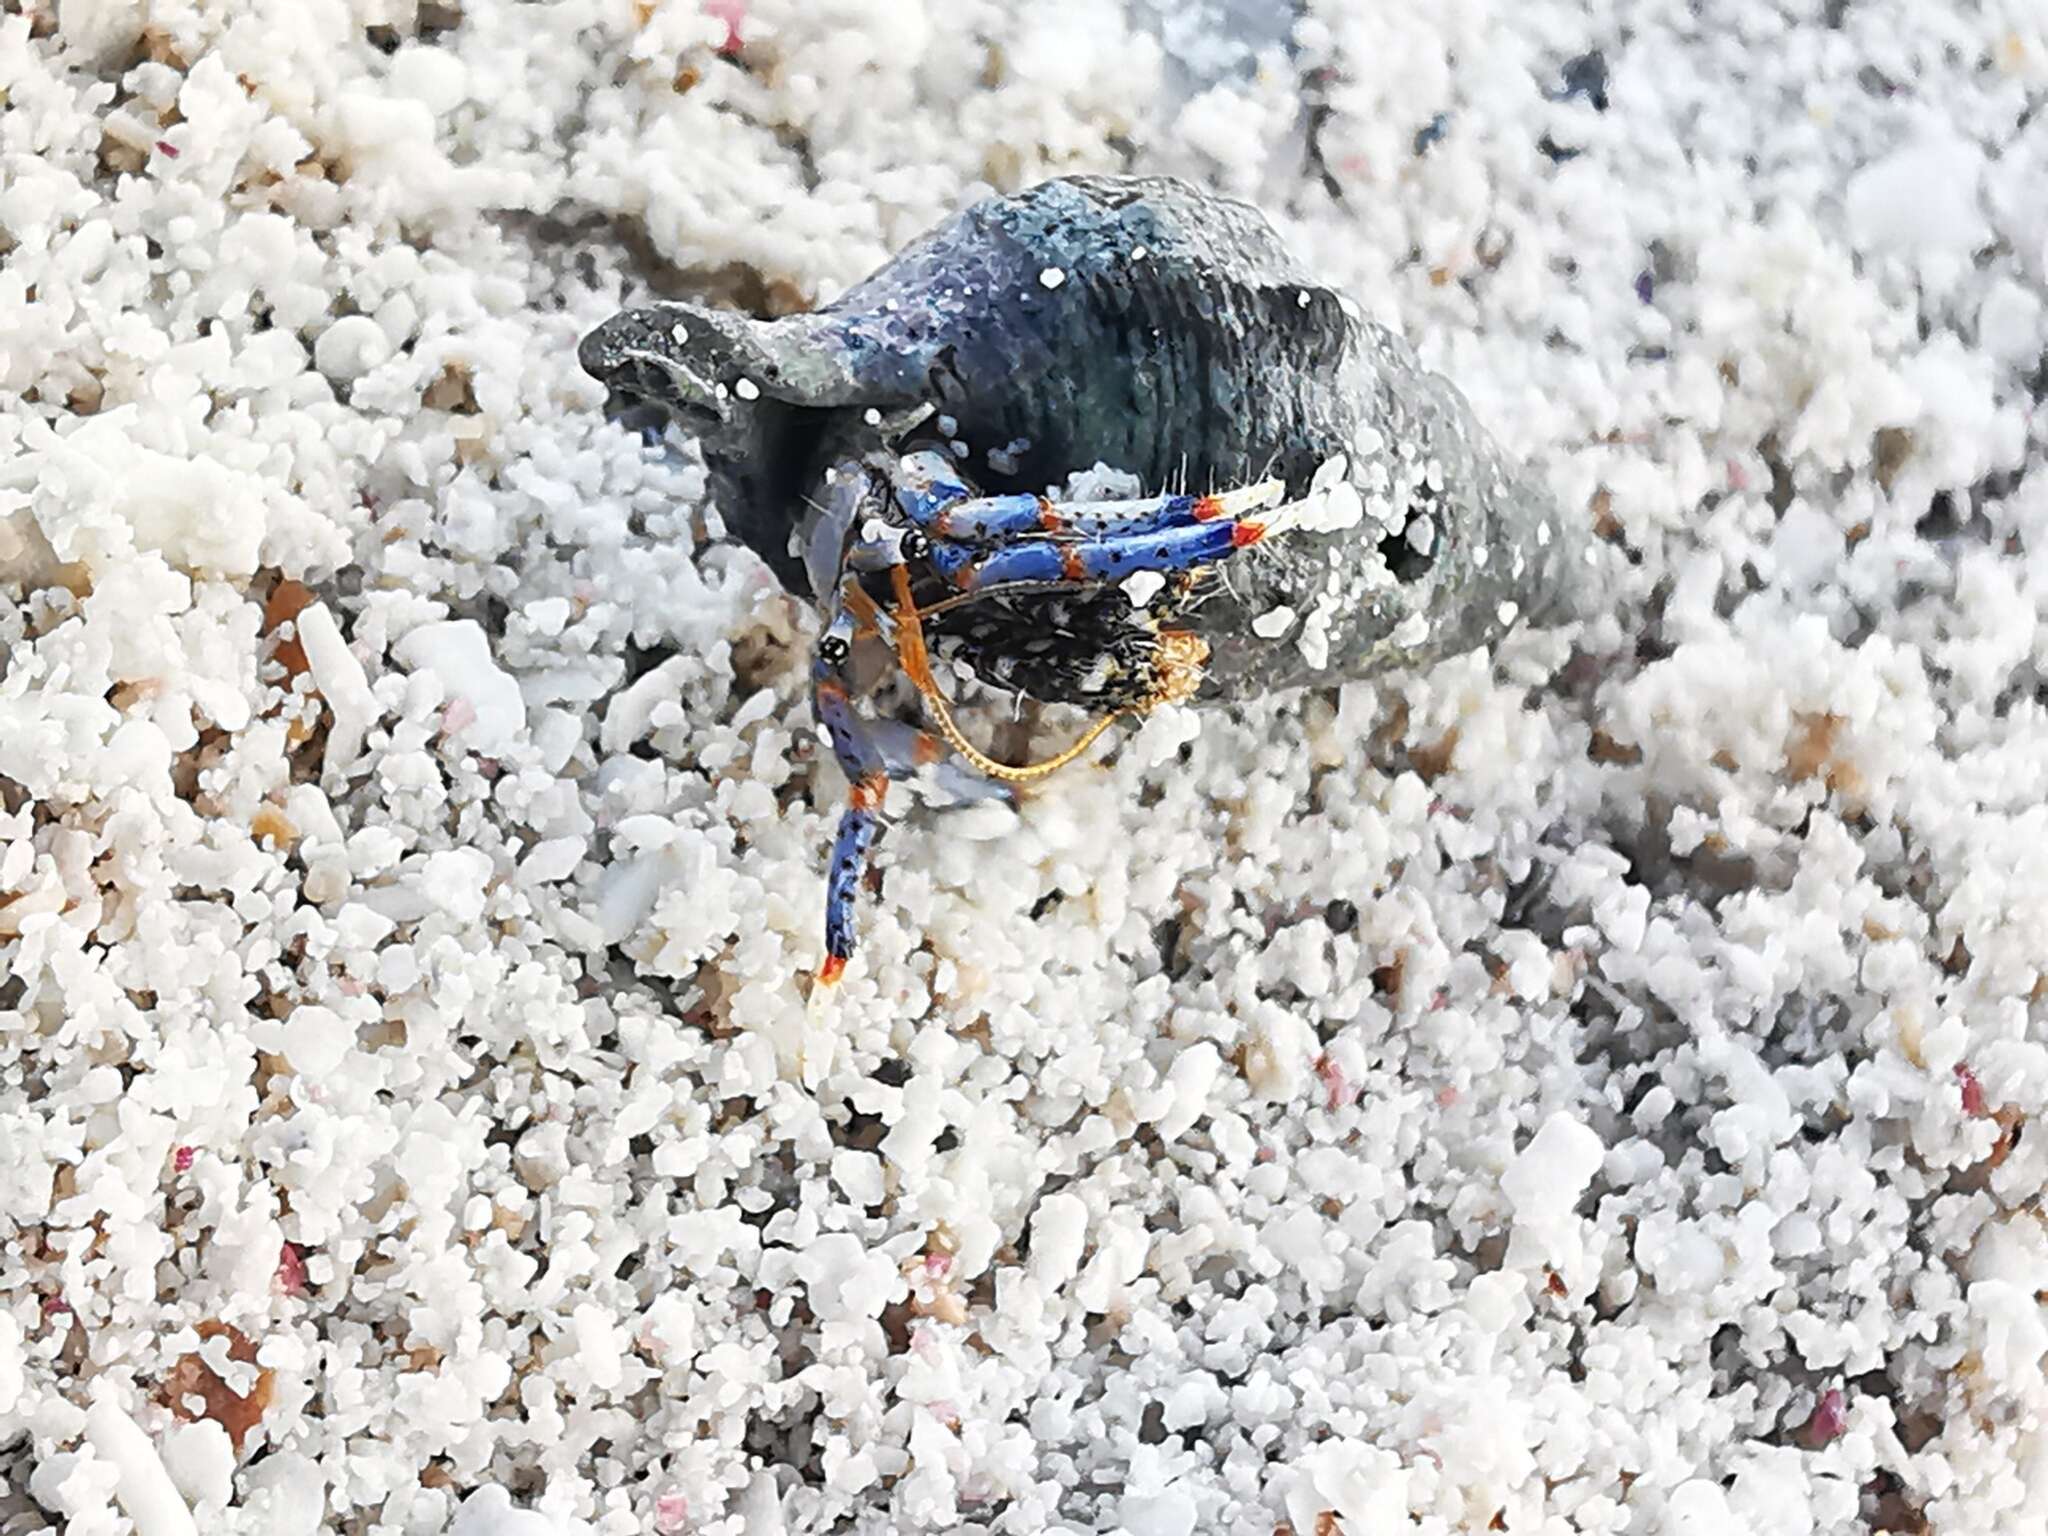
867 782
871 753
942 505
1171 534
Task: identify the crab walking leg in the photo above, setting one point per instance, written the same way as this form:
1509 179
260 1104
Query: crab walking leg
1100 561
871 753
939 504
867 781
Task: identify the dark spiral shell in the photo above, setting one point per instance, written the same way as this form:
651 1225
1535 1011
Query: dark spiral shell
1143 324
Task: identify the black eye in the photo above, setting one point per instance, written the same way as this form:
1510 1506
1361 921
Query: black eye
915 545
834 649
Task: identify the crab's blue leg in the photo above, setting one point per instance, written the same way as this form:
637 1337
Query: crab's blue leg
871 753
940 504
867 780
1111 558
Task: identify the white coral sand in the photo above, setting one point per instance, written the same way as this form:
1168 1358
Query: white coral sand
1591 1088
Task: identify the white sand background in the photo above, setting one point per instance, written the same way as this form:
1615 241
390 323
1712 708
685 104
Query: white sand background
1591 1089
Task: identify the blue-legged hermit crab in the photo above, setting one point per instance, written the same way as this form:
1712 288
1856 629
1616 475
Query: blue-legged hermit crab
1318 506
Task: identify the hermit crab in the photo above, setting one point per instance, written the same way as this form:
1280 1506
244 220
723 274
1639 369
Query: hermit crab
1315 506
